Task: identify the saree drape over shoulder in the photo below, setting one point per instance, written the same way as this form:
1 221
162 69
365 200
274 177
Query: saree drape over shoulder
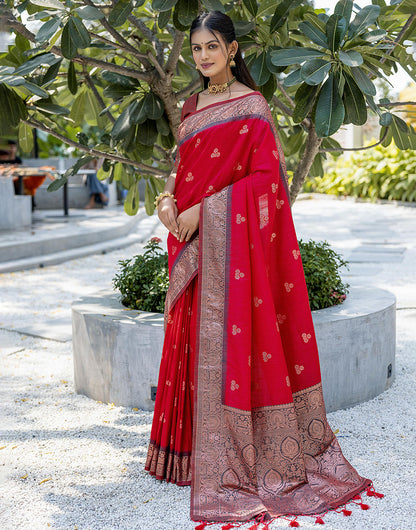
248 376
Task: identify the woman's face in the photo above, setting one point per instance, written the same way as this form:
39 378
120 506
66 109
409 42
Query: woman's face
210 52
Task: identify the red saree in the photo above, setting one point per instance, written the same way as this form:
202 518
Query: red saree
239 412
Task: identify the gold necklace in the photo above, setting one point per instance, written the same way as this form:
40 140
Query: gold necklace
217 88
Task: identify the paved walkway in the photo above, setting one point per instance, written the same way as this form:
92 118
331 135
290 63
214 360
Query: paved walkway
69 462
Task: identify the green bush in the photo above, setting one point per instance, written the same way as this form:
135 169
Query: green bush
143 280
321 265
378 173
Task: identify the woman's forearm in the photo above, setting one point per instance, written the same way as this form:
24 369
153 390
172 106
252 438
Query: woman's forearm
170 183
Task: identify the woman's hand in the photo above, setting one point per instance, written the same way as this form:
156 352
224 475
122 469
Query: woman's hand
188 222
167 212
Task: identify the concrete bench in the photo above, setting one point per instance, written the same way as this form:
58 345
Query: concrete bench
15 210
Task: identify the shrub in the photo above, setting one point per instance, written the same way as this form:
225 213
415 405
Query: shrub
378 173
321 265
143 280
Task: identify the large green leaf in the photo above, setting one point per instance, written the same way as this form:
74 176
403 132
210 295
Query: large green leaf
147 132
386 119
365 84
336 28
153 106
79 33
163 5
68 46
304 99
12 108
344 9
32 64
269 88
51 108
131 202
259 69
72 78
281 13
187 10
149 199
296 55
51 72
163 18
35 89
123 123
354 102
374 36
329 109
365 18
25 137
252 6
50 4
78 109
313 72
90 13
294 78
400 132
351 58
119 13
48 29
214 5
243 28
313 33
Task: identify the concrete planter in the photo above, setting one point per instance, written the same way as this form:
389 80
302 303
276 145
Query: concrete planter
117 352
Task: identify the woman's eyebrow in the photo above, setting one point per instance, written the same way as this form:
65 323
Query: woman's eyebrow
196 44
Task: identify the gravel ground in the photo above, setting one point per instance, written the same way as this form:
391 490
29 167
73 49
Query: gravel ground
69 462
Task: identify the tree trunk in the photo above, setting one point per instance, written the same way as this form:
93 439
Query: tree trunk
301 172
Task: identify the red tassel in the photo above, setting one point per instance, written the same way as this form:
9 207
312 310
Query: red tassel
201 526
357 498
254 527
346 512
371 493
319 520
378 495
294 523
365 506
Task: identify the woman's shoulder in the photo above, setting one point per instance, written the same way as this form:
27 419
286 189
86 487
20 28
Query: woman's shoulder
189 105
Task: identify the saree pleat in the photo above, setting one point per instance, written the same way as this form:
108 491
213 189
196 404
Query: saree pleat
169 450
239 412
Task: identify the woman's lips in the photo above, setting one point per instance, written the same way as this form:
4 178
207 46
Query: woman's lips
207 65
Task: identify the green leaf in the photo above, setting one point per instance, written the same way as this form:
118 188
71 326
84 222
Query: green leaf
243 28
32 64
163 5
163 18
51 72
153 106
365 18
78 109
48 29
57 183
35 89
50 4
329 109
79 33
304 99
131 202
147 133
72 79
162 125
117 91
259 70
12 108
120 12
272 67
52 108
269 88
386 119
344 9
297 55
294 78
313 72
281 13
187 10
149 198
400 133
213 5
351 58
124 122
251 6
354 102
90 13
374 36
336 28
25 137
388 138
365 84
68 46
176 22
313 33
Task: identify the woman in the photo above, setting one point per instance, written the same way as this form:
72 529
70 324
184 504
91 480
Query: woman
239 413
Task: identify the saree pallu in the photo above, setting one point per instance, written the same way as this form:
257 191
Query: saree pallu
261 443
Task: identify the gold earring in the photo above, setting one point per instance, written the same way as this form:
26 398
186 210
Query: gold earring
196 67
232 62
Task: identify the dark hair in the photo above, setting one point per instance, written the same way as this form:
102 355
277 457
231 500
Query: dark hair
222 23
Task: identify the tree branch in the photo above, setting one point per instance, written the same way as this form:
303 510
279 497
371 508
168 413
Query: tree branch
312 146
175 52
18 27
283 91
188 90
276 101
143 167
399 37
148 33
